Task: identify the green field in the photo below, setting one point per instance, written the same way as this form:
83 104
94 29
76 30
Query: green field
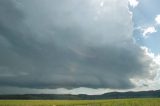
113 102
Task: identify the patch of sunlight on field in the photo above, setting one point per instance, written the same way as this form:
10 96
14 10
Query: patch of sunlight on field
112 102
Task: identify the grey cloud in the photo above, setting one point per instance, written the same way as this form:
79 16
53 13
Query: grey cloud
68 44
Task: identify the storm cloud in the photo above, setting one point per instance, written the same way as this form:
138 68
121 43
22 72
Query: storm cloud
69 44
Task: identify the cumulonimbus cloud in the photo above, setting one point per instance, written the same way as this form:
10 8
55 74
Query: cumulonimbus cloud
69 44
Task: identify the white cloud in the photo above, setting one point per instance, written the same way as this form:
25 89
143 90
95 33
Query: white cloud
153 82
157 19
133 3
148 30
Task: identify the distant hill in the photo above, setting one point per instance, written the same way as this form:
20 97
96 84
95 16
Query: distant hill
112 95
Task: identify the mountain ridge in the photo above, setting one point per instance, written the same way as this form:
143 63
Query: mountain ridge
110 95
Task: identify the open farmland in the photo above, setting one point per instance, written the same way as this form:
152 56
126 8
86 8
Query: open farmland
113 102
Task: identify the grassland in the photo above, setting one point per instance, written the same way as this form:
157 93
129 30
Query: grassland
113 102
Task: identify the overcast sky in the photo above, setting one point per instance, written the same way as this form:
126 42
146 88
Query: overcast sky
79 46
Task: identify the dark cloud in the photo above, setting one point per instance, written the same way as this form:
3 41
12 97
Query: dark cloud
68 44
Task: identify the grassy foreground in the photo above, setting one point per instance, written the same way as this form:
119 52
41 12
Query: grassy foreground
113 102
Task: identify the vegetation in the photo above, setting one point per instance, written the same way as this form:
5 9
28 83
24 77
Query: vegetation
111 102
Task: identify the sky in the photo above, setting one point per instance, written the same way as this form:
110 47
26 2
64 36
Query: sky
79 46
